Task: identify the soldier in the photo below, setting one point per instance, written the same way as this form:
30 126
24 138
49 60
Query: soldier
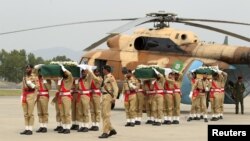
95 100
202 85
140 102
168 98
74 108
110 92
149 95
177 97
55 101
223 79
239 89
157 108
216 95
65 98
83 100
129 92
195 106
29 85
42 100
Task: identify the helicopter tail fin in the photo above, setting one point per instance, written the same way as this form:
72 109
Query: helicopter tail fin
225 40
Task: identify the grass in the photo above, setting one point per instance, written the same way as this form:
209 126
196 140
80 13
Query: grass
16 92
10 92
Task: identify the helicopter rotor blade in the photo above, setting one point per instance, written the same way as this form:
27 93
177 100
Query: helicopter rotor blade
132 24
65 24
99 42
120 30
217 30
208 20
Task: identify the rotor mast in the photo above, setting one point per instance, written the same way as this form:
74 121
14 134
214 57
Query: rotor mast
163 19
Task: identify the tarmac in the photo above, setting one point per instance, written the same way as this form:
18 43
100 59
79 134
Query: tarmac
12 123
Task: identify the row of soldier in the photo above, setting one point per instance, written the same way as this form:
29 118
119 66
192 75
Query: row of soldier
162 96
73 99
207 89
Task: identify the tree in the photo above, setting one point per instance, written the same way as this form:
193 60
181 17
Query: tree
61 58
12 64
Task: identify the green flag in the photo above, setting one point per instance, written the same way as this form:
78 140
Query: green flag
177 66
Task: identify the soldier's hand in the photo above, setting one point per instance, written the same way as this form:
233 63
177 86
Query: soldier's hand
52 103
38 66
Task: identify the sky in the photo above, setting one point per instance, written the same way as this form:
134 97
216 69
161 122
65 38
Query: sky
22 14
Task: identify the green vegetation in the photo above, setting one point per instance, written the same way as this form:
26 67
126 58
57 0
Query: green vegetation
11 92
17 92
12 64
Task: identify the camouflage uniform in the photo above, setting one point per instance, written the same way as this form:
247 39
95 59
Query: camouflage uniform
129 92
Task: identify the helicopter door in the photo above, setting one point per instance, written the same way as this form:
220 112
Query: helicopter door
100 63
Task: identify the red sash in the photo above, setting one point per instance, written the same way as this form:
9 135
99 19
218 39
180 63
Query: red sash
83 89
168 90
176 89
63 90
149 91
41 90
25 93
214 89
195 91
95 89
158 91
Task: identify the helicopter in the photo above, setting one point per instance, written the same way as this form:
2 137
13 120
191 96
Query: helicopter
165 46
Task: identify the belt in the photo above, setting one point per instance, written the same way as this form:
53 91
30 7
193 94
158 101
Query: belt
216 90
84 92
169 91
43 93
96 91
177 90
140 90
65 93
150 92
159 91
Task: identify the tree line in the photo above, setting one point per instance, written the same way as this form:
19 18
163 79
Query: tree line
12 64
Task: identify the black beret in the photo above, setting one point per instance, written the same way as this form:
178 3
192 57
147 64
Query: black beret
107 67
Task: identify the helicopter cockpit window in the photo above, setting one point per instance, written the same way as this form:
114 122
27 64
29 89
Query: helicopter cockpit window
155 44
177 35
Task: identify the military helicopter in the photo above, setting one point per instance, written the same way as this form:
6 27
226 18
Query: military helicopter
165 46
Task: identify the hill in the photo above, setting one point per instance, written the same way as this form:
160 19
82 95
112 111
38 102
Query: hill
49 53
